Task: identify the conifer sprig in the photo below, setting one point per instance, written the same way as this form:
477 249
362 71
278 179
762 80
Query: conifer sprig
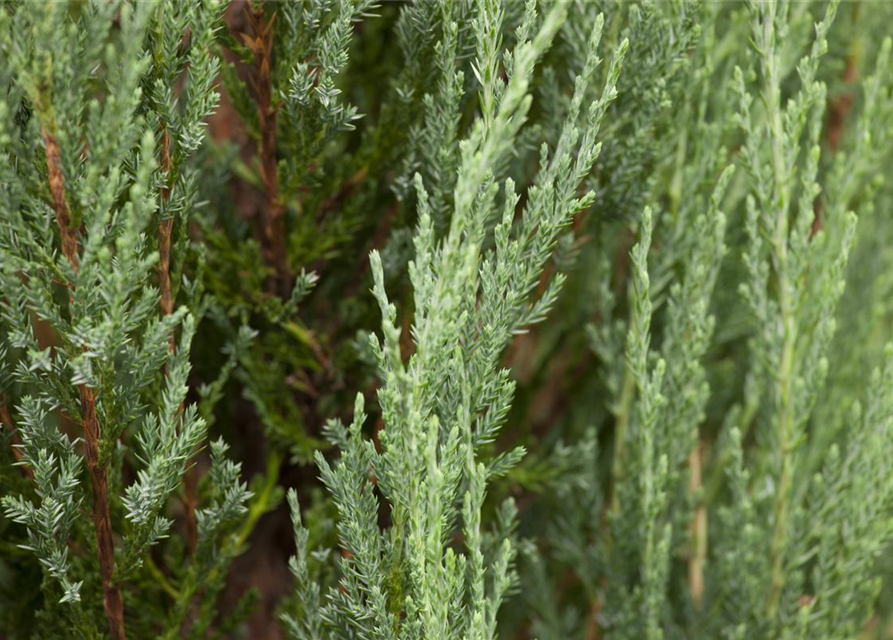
442 406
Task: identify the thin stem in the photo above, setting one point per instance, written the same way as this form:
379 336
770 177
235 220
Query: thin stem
260 506
621 426
105 544
698 541
164 236
785 430
191 585
785 416
593 629
165 229
160 578
274 211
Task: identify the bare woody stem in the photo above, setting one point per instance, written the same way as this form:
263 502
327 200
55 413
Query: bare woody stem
105 544
164 237
593 628
165 230
60 204
273 220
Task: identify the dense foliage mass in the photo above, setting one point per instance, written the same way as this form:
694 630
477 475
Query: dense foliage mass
448 319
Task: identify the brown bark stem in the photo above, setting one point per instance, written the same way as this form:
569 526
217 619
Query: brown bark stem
165 230
105 543
60 203
274 211
593 624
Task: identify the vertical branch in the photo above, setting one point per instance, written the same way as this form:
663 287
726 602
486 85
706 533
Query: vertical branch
593 628
785 419
698 539
60 204
114 606
273 221
165 230
105 544
621 427
164 237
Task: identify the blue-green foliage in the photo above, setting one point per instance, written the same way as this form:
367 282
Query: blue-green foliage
607 282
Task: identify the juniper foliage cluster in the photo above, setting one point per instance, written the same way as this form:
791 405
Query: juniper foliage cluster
549 319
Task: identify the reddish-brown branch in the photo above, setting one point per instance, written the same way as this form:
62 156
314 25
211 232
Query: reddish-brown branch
164 237
105 543
165 230
114 606
593 630
261 45
60 203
